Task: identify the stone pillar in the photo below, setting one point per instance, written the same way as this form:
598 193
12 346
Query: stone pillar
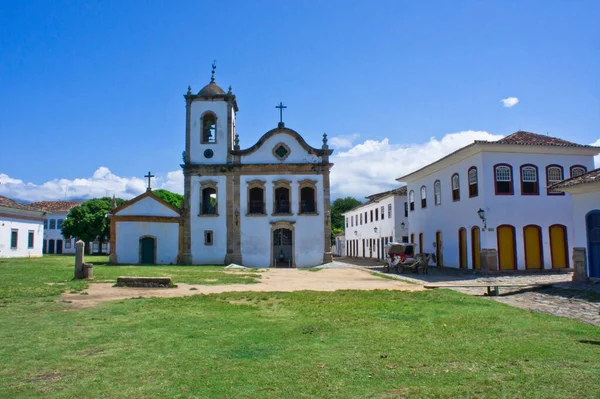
489 260
79 250
580 265
186 258
327 257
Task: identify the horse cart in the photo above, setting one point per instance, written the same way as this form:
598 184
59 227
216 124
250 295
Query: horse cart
401 257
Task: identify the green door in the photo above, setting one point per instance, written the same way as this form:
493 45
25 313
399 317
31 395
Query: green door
147 245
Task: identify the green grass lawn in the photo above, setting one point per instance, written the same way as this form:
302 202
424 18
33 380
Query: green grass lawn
345 344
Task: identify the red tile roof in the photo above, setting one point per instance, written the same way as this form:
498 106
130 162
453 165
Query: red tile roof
528 138
8 203
592 176
56 206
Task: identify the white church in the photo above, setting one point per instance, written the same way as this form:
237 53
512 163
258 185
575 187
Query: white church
263 206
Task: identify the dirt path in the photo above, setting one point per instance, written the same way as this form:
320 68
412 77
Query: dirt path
282 280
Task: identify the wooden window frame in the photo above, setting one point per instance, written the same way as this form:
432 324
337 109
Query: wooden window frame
252 184
548 183
455 191
537 179
282 183
16 233
475 192
437 192
423 197
411 200
30 239
577 166
382 211
307 183
207 234
511 181
52 224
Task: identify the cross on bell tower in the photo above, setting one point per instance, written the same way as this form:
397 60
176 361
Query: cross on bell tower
281 108
149 176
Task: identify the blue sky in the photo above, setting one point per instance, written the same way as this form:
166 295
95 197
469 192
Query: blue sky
93 90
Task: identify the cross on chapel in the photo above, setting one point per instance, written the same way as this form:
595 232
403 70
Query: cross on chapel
281 108
149 176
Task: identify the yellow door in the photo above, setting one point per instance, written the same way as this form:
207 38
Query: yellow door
506 247
476 248
558 246
533 247
462 248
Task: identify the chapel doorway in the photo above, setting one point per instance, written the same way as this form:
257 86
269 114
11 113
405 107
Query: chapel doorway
147 251
559 247
593 236
438 248
532 236
59 246
462 248
476 247
507 254
282 247
50 246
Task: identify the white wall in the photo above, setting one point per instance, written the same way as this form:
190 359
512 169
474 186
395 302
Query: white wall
264 154
208 254
220 148
386 227
128 241
56 234
23 226
516 210
148 206
256 230
583 204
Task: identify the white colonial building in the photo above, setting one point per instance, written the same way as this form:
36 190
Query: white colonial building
584 191
371 225
21 229
264 206
55 214
494 196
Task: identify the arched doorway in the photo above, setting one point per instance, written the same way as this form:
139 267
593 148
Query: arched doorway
283 248
438 248
593 236
476 247
559 247
462 248
147 250
532 238
507 253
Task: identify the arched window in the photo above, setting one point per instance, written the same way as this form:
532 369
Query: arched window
554 174
473 183
529 180
423 197
256 201
411 200
307 200
437 192
209 128
281 200
578 170
503 179
455 187
208 198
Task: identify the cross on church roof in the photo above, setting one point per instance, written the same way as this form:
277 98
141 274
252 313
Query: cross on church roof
149 176
281 108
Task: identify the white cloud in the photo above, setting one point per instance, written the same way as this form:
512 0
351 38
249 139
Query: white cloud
102 183
510 102
343 141
374 166
597 157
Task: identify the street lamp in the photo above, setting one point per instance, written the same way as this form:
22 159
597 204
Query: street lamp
481 214
402 225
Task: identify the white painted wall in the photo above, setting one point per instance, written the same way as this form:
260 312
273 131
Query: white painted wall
208 254
7 224
256 230
220 148
56 234
148 207
516 210
128 241
583 203
264 154
386 227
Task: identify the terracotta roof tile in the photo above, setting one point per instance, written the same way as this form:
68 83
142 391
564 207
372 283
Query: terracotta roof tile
528 138
592 176
56 206
8 203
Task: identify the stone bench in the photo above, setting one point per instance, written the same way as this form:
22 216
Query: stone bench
145 282
493 289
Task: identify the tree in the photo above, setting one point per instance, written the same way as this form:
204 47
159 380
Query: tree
172 198
339 206
89 221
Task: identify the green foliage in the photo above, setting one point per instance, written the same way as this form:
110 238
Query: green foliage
89 221
172 198
338 207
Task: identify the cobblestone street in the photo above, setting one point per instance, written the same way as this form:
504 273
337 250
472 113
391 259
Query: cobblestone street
565 299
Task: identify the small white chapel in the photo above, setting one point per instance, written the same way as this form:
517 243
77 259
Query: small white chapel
263 206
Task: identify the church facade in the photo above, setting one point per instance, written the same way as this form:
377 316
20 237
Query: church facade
263 206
